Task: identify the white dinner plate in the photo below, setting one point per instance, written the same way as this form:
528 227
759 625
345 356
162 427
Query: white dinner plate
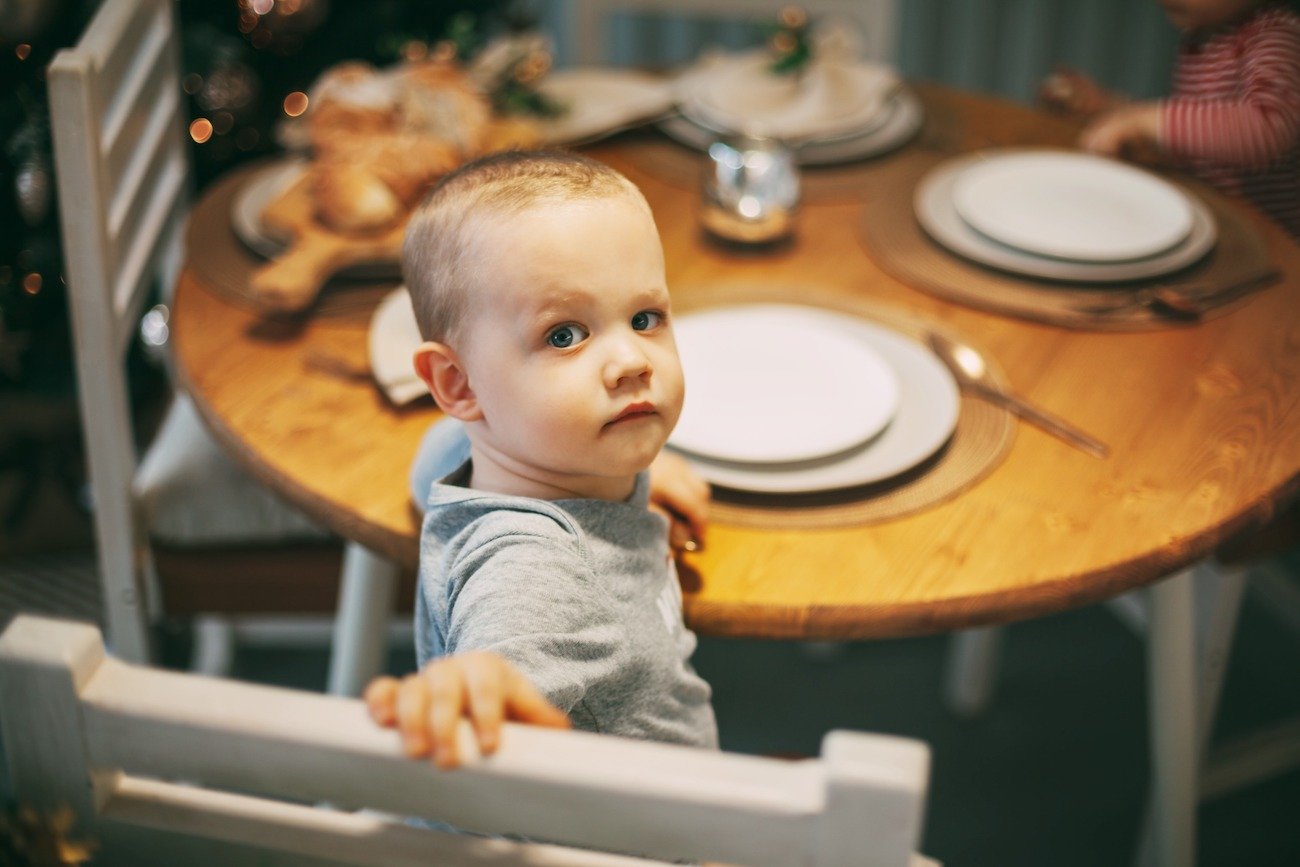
764 386
392 340
924 420
258 192
938 216
600 99
1072 206
901 118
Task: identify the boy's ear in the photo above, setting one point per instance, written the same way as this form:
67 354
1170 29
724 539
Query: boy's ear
441 369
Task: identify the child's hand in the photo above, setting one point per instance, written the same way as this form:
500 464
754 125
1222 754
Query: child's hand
426 707
1131 131
681 496
1072 92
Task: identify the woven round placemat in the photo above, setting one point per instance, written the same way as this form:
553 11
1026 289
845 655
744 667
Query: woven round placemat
982 439
896 241
226 265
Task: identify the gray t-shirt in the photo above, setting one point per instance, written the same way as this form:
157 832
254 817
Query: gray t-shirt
581 595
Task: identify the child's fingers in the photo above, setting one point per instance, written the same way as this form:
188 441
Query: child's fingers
381 700
412 714
525 704
445 680
485 689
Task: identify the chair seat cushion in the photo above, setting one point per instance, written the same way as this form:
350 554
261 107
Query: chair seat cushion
193 494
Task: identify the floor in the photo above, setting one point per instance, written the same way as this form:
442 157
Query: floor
1054 773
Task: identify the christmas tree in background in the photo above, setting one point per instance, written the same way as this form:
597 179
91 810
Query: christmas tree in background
246 64
241 59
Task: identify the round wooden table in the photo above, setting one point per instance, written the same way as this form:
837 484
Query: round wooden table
1203 424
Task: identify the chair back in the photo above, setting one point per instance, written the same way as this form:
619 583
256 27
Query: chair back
122 175
105 737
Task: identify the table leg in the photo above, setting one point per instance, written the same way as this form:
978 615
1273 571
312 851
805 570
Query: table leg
971 669
369 586
1171 685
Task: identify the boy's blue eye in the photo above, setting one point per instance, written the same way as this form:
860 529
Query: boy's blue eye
646 319
566 336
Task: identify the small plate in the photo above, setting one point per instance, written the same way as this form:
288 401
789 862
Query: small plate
258 192
764 386
392 340
1072 206
938 216
901 118
602 100
924 420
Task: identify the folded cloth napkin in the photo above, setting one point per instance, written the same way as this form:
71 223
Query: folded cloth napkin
837 93
394 337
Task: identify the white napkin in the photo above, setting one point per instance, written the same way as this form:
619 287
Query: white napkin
393 339
600 100
837 93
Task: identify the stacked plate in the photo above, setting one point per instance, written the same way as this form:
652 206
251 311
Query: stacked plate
833 112
1062 215
788 399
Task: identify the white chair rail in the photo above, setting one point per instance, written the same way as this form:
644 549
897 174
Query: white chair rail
109 739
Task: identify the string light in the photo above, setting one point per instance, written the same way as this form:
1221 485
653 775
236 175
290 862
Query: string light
295 103
22 50
201 130
32 283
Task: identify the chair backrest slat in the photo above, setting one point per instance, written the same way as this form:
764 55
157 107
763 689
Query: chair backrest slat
117 42
859 805
154 119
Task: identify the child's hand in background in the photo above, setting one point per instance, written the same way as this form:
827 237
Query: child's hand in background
681 496
1129 131
426 707
1070 91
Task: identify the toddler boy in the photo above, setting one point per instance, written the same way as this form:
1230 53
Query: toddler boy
546 593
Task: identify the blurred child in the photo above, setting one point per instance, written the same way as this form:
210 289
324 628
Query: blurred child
547 593
1233 118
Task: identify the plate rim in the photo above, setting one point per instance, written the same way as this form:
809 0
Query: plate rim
954 235
907 118
783 481
977 172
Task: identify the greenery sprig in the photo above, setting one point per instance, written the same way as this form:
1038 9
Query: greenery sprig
789 42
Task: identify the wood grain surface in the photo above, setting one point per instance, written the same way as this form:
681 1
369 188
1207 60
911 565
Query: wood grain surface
1203 424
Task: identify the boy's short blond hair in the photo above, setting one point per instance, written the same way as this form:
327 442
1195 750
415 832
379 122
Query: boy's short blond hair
436 254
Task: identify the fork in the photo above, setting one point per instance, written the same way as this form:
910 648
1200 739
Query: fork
1188 302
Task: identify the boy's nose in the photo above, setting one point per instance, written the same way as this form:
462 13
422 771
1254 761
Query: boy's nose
626 361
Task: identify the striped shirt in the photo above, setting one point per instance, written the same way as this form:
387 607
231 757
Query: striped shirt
1234 116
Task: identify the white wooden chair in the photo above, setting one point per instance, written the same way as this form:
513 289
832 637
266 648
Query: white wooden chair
123 179
109 739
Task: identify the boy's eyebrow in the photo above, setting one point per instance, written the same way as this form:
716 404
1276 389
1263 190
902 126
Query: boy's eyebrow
548 303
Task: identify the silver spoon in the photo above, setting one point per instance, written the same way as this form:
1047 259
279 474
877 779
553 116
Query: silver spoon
973 374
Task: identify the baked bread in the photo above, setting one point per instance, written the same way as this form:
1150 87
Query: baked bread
351 199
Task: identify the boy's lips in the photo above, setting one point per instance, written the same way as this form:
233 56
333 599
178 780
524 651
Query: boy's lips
633 411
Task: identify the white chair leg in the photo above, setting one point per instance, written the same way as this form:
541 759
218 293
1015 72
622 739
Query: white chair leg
369 586
214 646
972 666
1171 685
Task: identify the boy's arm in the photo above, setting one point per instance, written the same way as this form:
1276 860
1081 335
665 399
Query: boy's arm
1254 130
528 631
